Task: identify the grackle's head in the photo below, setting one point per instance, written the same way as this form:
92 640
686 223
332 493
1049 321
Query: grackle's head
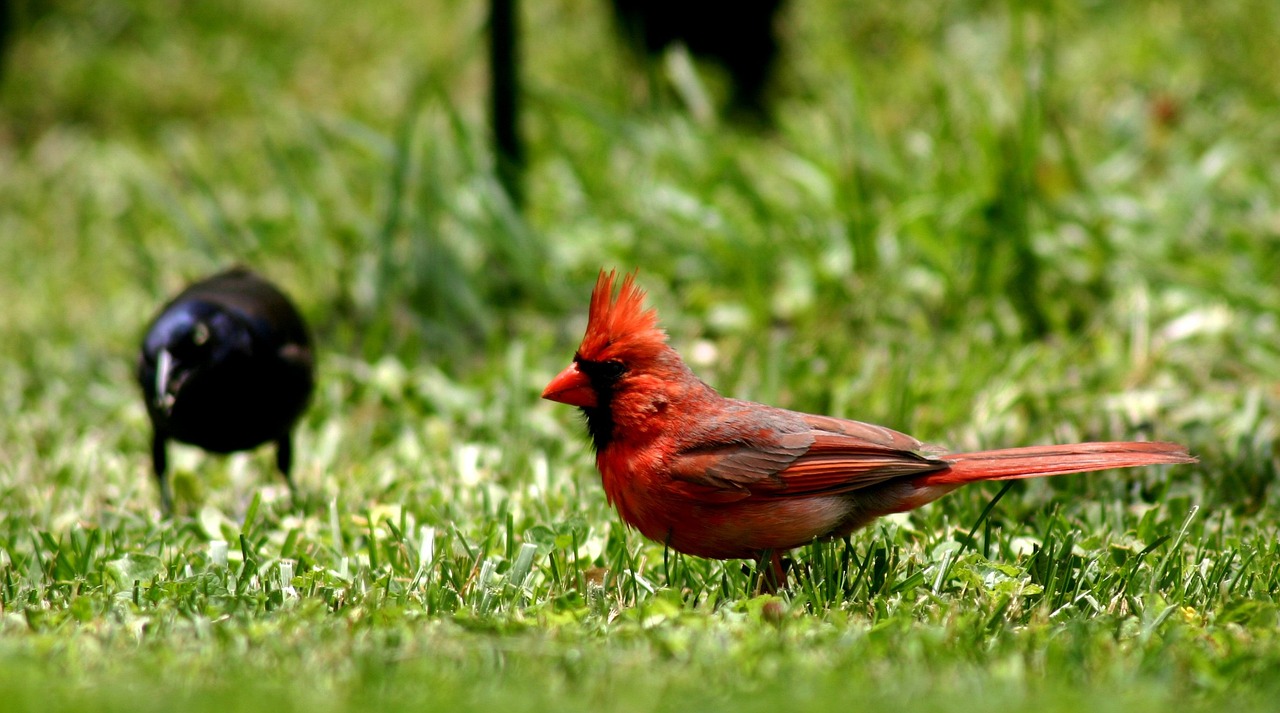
190 338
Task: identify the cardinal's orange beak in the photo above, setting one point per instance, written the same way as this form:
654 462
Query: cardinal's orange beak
571 387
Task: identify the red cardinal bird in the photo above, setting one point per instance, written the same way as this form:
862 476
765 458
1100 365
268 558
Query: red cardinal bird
723 478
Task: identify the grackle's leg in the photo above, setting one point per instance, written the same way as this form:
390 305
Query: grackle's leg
160 463
284 461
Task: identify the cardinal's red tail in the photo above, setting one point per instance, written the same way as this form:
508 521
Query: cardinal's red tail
1038 461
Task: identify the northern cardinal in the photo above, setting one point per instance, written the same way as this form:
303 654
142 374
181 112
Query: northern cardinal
722 478
226 366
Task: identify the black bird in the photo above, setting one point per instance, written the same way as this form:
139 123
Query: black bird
227 366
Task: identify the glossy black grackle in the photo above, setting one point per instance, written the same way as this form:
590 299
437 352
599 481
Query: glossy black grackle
227 366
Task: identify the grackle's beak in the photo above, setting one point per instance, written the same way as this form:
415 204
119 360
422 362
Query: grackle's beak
164 371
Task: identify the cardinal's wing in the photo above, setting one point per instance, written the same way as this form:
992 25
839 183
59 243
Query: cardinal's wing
762 452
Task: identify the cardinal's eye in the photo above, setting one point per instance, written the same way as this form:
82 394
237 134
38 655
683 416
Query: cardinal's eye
612 369
602 372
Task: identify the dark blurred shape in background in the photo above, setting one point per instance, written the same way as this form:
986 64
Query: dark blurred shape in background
739 36
6 29
504 68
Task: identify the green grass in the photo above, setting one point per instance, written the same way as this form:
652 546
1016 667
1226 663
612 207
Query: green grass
987 224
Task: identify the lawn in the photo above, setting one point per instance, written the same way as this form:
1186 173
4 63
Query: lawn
986 224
